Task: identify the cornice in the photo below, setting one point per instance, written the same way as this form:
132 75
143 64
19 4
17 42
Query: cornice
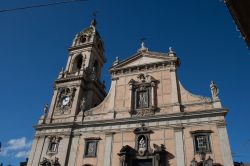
156 118
144 67
68 79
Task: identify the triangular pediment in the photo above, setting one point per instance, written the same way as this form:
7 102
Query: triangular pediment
143 59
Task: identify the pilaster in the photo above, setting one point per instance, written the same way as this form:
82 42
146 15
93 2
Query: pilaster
33 150
108 149
179 146
74 150
64 149
224 145
174 90
37 152
52 107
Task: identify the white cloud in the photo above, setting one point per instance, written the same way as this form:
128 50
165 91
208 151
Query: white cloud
3 152
19 143
22 154
18 147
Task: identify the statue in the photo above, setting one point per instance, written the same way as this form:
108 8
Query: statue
83 104
214 90
46 110
142 143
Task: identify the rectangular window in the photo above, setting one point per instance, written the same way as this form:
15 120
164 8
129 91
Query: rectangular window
202 142
90 148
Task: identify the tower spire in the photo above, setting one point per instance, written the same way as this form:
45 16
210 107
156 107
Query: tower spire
93 22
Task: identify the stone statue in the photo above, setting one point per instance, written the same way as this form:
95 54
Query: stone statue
142 143
214 90
83 104
46 110
142 100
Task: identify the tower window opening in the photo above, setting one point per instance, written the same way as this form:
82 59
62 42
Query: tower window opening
77 65
83 39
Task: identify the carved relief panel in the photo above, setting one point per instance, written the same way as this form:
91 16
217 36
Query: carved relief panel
64 100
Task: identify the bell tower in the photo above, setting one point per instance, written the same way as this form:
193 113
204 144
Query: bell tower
78 86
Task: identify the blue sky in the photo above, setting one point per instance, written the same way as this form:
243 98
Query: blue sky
34 43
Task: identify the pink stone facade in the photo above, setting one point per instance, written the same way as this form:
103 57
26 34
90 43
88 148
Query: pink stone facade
146 117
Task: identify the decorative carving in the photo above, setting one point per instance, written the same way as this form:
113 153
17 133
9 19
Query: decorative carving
53 144
65 100
214 90
50 162
142 154
142 140
158 148
142 112
143 95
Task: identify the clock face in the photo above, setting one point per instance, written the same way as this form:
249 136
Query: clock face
65 101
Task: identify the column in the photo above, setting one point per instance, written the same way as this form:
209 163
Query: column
224 145
179 146
108 149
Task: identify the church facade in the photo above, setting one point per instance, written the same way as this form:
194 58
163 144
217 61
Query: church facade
146 119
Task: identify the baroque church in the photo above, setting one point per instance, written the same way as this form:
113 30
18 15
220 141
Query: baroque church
146 119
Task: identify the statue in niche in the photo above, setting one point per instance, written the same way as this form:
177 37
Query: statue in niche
142 100
214 90
142 144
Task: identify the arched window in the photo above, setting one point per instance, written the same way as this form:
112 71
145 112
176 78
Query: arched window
77 63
